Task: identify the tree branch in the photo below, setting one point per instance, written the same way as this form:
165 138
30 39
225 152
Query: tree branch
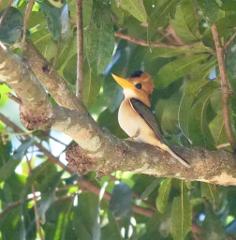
225 87
144 43
104 153
49 78
80 54
231 39
35 105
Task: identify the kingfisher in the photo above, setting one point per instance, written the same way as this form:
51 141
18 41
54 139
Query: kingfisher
135 116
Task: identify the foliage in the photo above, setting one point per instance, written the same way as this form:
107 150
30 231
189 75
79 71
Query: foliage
187 105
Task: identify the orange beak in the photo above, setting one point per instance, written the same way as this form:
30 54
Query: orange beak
124 83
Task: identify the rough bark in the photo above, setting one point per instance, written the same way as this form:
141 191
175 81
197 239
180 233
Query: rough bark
36 111
100 151
48 77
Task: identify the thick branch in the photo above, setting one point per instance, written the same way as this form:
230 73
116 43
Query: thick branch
225 87
79 80
49 78
34 99
104 153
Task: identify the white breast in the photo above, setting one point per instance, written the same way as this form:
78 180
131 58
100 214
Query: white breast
134 125
127 119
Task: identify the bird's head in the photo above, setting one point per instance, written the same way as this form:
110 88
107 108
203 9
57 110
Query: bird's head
139 85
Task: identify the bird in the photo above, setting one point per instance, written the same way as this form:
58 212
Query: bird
135 116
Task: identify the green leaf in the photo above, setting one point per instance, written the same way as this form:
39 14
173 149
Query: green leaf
8 168
45 183
135 8
210 192
92 84
216 127
210 10
4 90
87 11
191 88
229 5
185 23
163 195
11 25
53 15
99 45
181 215
167 112
111 230
200 117
163 11
99 39
177 69
5 150
150 188
86 215
56 3
21 150
231 62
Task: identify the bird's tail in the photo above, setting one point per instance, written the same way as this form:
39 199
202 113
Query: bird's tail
177 157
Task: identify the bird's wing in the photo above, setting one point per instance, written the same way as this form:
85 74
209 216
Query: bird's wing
146 113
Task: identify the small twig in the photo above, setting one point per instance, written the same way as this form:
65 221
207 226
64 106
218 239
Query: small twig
144 43
171 32
29 198
57 140
225 86
10 207
26 18
84 184
14 98
80 54
228 43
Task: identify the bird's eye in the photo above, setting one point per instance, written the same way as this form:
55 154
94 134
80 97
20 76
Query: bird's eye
138 85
